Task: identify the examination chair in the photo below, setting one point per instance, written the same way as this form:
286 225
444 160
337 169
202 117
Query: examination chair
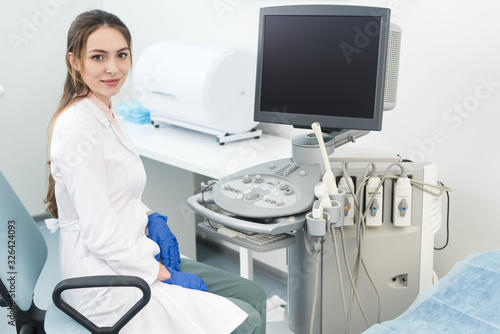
23 253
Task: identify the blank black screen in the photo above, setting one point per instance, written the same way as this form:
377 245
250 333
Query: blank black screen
320 65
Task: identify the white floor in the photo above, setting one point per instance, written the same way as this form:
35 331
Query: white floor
50 277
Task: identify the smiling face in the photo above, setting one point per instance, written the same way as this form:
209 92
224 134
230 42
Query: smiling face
105 63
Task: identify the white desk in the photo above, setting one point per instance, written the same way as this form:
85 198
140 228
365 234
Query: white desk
199 153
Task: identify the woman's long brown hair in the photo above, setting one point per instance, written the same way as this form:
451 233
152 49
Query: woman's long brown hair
75 88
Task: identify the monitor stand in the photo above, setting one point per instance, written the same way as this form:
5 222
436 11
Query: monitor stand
306 151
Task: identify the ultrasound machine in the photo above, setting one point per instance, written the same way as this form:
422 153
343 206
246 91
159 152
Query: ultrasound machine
359 230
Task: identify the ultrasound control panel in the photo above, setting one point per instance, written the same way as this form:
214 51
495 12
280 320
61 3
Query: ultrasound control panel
276 189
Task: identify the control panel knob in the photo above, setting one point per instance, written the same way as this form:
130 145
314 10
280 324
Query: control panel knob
272 166
247 179
258 179
283 186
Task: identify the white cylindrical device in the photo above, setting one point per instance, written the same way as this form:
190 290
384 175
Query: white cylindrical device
204 85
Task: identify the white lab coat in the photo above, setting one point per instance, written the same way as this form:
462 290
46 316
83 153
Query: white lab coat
99 183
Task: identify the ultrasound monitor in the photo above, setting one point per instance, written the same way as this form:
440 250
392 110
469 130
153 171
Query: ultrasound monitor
322 63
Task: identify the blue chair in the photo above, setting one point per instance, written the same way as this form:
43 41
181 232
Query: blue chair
23 253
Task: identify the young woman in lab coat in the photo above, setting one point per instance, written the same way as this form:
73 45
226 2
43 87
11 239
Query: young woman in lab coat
95 190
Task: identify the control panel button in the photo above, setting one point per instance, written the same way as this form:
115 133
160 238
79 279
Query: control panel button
265 187
273 182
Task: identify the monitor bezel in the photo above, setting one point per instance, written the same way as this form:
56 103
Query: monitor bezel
328 123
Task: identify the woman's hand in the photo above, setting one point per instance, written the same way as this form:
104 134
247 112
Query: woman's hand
186 280
163 274
160 233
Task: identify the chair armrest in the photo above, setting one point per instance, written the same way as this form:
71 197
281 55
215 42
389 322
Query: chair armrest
5 298
98 282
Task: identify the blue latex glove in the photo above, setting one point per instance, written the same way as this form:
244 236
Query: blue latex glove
186 280
160 233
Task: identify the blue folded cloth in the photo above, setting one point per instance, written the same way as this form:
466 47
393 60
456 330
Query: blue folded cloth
132 111
466 300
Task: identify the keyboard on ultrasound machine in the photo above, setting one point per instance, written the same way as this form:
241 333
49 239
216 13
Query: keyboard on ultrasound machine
255 241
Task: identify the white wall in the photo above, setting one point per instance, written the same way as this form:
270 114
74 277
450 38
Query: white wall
448 93
32 71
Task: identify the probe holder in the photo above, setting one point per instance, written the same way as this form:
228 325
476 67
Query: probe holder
331 216
337 212
317 227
